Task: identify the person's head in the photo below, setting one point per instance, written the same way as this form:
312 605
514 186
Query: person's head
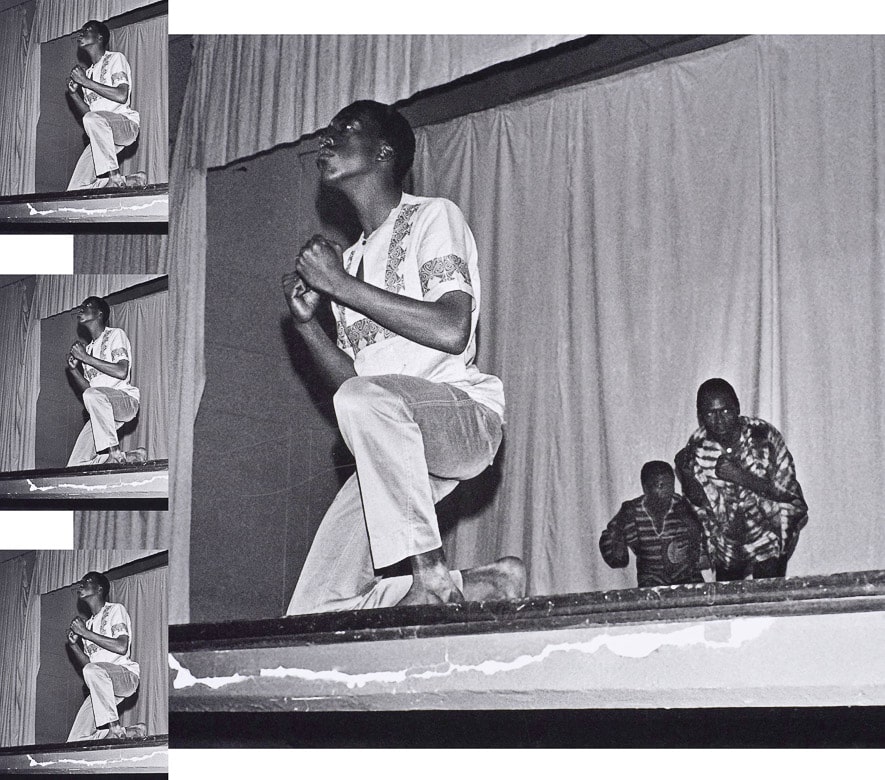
94 32
364 136
718 408
93 309
93 583
658 480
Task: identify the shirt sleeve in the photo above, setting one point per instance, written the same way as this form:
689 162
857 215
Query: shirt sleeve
613 542
119 622
119 70
446 250
119 346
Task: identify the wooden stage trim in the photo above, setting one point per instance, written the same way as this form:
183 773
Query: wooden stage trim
149 755
141 481
134 204
811 641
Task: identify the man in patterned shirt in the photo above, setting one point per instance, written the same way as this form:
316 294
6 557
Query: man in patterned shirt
102 646
102 95
412 406
740 475
106 366
660 528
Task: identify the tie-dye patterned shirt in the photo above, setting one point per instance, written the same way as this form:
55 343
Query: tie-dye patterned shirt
742 525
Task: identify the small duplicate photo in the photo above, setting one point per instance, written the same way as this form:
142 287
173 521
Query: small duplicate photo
85 115
83 661
84 393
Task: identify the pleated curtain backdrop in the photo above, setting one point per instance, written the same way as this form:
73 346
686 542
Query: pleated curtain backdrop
718 214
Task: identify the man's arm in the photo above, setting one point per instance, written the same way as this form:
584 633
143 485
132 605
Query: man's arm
74 643
691 488
74 373
118 370
443 324
613 543
334 364
118 93
118 644
76 98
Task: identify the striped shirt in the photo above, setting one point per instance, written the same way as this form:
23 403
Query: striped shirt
742 525
667 553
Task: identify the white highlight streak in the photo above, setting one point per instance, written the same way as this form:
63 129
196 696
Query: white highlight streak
139 207
103 762
89 488
632 645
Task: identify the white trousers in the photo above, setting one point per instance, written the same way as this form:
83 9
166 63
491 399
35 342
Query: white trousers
108 133
108 685
108 409
413 441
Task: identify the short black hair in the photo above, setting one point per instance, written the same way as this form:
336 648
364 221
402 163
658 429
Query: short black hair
394 128
102 305
653 469
102 29
719 386
103 581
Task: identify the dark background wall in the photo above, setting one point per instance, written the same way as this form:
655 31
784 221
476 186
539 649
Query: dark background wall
60 412
60 688
267 456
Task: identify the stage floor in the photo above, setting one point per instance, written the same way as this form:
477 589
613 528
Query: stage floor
141 756
134 204
796 642
138 483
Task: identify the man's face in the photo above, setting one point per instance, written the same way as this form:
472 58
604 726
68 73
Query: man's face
87 312
719 415
88 35
349 146
87 587
659 487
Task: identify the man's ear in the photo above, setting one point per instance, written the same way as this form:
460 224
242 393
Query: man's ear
385 152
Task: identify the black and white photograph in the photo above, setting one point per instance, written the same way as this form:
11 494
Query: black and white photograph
83 662
83 114
506 387
86 422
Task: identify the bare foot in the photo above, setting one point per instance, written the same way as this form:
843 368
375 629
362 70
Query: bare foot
116 731
138 179
116 180
499 581
138 455
116 458
431 581
138 731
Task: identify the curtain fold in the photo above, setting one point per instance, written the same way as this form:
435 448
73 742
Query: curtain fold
16 667
58 293
15 38
60 568
123 253
144 596
719 214
19 375
144 320
60 17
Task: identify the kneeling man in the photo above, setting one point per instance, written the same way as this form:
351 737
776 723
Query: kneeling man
106 365
102 95
102 645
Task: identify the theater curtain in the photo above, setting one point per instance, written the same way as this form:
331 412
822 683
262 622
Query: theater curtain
719 214
122 253
17 667
57 293
245 95
51 19
19 374
145 597
15 37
